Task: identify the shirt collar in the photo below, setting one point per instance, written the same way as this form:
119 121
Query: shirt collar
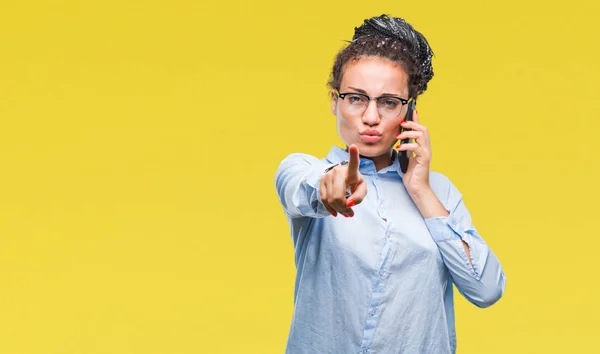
366 166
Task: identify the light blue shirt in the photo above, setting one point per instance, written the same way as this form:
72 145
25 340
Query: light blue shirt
381 281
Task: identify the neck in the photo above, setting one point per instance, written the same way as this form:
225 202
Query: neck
381 161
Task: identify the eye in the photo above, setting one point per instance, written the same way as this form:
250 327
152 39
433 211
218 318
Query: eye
356 99
390 102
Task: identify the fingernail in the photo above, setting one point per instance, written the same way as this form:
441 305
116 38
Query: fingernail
398 136
334 214
350 203
402 121
398 146
417 111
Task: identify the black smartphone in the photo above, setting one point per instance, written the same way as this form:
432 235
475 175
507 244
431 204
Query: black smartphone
404 155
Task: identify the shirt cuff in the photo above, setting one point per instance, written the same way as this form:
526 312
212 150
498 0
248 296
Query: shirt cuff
446 228
447 232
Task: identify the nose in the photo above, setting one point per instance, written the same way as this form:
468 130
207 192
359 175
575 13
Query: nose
371 115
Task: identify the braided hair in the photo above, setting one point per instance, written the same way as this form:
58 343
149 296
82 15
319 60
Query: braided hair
391 38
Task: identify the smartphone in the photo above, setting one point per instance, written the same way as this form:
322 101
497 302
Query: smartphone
404 155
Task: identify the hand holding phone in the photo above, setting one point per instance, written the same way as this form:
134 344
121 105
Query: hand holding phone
404 155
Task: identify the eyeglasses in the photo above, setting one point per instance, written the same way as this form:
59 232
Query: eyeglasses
355 103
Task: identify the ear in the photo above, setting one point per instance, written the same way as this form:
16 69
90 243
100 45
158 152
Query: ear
334 98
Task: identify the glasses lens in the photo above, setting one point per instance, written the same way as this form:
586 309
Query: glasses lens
355 103
389 107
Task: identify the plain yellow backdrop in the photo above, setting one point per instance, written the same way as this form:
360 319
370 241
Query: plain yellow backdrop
139 142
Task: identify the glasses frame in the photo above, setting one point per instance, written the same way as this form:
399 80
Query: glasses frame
404 101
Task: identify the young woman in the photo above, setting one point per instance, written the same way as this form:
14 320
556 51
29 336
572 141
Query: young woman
379 250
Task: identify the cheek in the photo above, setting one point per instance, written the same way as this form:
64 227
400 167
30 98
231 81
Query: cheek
343 125
390 134
393 128
342 122
346 129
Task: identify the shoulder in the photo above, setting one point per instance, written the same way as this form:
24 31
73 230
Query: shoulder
438 179
443 188
299 160
301 157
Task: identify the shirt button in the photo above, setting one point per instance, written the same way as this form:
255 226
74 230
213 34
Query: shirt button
373 313
365 351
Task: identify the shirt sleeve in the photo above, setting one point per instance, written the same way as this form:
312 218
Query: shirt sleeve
482 283
297 181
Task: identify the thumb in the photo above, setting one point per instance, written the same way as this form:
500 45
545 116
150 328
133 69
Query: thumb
359 191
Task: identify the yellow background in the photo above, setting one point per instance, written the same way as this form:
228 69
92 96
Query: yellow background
139 141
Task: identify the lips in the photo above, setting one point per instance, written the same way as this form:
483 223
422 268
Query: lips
370 136
371 132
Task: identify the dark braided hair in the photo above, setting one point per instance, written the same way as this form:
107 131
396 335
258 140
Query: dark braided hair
391 38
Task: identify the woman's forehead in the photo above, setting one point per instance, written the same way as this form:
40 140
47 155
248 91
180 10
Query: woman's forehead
375 75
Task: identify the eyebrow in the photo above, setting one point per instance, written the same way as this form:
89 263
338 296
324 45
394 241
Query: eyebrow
365 92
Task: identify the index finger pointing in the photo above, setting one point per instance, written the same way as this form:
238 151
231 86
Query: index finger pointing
353 163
